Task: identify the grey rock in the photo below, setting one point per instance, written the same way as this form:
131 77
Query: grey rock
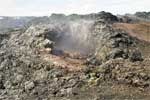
93 61
40 75
18 78
64 92
4 64
107 17
55 73
1 85
7 84
117 53
29 85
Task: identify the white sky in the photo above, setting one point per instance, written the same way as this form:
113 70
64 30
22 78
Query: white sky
46 7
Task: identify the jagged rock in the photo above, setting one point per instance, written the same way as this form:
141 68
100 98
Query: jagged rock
113 43
121 39
136 56
106 17
38 37
40 75
117 53
123 72
93 61
55 73
29 85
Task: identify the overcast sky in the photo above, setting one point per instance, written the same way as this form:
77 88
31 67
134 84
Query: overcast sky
46 7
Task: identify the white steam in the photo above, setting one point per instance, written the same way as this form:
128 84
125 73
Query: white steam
77 37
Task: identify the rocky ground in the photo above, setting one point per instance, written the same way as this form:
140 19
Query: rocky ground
31 69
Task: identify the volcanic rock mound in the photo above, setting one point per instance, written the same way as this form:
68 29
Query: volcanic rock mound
68 58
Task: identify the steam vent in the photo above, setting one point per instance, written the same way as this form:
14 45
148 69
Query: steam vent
98 56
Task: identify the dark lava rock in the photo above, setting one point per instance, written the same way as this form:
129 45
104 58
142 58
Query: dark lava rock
117 53
136 55
1 82
3 38
108 17
1 85
121 39
126 19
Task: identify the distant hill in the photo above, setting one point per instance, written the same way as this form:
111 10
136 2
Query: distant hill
8 23
144 15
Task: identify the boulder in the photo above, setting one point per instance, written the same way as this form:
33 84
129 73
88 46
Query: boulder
135 55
